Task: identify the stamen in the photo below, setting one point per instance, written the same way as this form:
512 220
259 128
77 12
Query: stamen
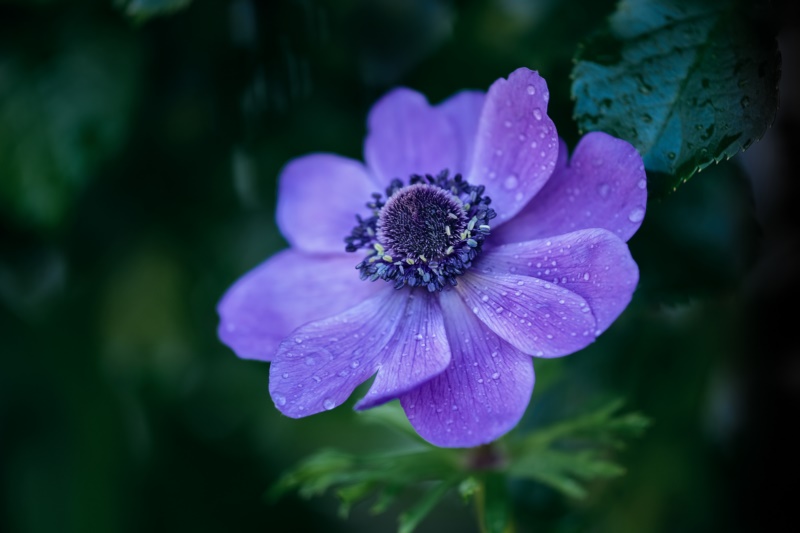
437 224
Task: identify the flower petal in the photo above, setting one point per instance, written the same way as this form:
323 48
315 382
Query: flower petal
284 292
481 395
318 198
417 352
463 110
517 144
593 263
535 316
408 136
604 186
319 365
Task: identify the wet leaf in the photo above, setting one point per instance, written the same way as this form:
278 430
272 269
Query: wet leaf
687 83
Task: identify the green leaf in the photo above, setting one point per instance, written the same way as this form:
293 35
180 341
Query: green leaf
356 476
688 83
141 10
565 455
409 520
391 415
64 111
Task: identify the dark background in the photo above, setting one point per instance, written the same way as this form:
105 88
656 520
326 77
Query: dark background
138 165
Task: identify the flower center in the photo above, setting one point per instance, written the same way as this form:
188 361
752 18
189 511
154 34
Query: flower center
426 233
421 221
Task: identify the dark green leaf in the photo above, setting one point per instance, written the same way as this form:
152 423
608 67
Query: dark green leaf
568 453
687 83
409 520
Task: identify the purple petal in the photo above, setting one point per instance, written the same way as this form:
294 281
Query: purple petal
318 198
408 136
535 316
463 110
284 292
319 365
604 186
517 144
481 395
417 352
593 263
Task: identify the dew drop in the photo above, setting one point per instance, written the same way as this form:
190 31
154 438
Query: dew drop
511 182
496 375
531 90
328 404
586 276
603 189
484 298
636 215
537 114
310 361
280 400
354 364
298 340
285 375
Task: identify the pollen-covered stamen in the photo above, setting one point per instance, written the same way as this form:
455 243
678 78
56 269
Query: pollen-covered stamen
427 233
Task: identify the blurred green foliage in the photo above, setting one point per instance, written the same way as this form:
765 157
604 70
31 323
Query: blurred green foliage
138 165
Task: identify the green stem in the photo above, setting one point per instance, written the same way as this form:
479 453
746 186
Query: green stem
480 506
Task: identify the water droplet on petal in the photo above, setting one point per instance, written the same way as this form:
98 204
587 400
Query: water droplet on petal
636 215
603 189
298 340
496 375
531 90
642 183
328 404
511 182
537 114
280 400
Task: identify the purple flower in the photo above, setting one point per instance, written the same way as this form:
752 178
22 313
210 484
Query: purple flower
439 292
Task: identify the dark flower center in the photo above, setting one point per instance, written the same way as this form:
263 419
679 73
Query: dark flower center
426 233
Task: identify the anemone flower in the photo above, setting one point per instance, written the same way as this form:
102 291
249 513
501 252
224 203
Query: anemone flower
466 243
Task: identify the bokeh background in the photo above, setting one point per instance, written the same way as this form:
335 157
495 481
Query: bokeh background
138 165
